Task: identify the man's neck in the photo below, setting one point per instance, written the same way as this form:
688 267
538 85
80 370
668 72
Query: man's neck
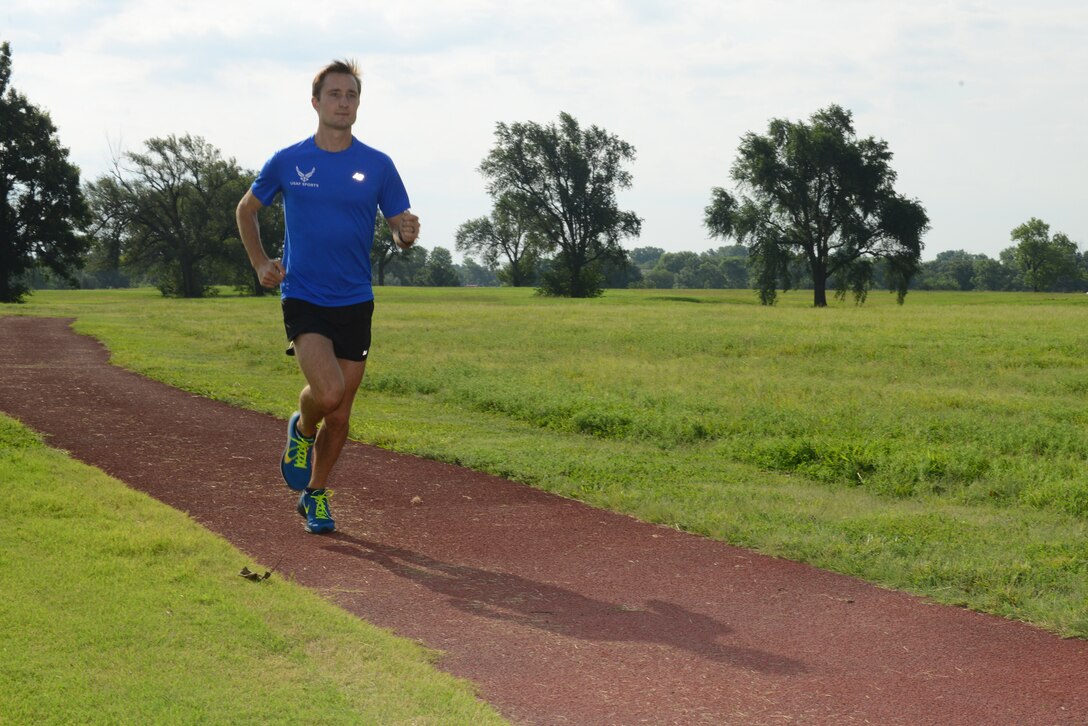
332 139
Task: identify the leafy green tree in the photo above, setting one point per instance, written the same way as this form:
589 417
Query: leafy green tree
732 251
818 193
659 278
619 273
106 229
959 265
733 263
41 205
408 267
1082 268
1007 257
384 250
506 234
677 262
725 267
690 270
705 274
472 273
1070 276
562 180
1043 259
439 270
951 270
992 275
394 266
239 272
171 209
646 257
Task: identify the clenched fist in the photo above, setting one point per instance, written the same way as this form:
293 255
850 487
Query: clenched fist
406 229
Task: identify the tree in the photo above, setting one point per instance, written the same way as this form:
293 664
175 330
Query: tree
676 262
819 194
439 270
407 267
1082 268
1043 259
713 269
960 266
473 274
733 263
659 278
646 257
273 230
951 270
562 180
106 230
1070 277
619 273
384 250
992 275
735 272
705 274
508 234
171 208
41 205
725 267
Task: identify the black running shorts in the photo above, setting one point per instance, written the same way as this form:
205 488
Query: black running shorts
347 327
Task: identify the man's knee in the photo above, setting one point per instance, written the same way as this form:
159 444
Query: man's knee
327 398
339 419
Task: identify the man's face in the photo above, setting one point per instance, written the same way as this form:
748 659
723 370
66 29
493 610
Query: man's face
339 101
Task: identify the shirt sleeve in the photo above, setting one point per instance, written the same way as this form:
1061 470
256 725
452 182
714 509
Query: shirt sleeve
393 198
267 184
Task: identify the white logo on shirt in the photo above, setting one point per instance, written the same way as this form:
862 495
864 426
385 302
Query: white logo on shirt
304 178
358 176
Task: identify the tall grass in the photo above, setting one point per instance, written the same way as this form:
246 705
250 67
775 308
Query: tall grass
938 447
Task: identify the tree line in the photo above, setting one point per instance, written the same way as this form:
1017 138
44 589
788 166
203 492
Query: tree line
1037 262
813 206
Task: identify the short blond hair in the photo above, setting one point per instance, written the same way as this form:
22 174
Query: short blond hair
348 66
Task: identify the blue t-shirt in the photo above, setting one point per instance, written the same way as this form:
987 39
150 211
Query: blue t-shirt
330 200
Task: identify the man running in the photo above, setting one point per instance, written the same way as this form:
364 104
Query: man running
332 186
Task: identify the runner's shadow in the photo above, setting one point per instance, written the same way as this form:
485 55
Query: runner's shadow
507 597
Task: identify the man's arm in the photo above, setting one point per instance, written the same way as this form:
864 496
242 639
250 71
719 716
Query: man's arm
270 272
405 228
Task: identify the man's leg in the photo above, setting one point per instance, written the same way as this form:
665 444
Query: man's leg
328 396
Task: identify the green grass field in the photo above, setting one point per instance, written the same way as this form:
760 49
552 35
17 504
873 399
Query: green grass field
939 447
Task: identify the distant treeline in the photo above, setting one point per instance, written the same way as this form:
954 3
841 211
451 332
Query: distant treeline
653 267
727 267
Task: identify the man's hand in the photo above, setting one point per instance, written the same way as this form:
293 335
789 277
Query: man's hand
271 273
405 229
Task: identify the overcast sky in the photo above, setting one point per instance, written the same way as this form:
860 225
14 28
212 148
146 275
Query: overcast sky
983 104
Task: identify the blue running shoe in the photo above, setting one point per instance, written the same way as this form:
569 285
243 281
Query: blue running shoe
314 506
297 462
